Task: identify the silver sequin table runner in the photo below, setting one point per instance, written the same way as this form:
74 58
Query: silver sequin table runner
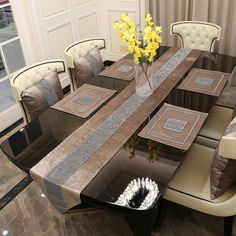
66 168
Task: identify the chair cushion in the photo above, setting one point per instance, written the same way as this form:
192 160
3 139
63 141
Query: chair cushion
223 171
88 66
43 94
190 186
227 97
215 125
193 176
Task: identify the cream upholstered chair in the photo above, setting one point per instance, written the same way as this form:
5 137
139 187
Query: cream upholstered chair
190 187
206 180
29 76
220 115
80 49
196 34
227 97
218 119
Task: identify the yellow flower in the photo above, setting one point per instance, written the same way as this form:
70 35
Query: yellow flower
132 30
151 36
158 29
125 18
136 59
148 20
148 33
131 48
117 26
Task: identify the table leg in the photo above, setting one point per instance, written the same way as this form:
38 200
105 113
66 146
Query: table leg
141 225
161 213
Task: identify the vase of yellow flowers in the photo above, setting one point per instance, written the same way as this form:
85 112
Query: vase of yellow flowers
143 50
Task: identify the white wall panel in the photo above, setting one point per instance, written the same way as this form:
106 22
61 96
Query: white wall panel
81 2
59 39
88 26
51 7
118 45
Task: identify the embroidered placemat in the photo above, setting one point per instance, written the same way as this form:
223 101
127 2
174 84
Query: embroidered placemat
205 81
174 126
122 69
84 100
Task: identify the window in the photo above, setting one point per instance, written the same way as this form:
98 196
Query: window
11 56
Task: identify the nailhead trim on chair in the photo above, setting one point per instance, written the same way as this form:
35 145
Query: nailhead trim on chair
190 38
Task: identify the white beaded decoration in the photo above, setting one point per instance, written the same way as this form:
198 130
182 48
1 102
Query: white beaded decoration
132 189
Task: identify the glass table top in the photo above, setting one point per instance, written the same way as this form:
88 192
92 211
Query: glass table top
34 141
138 158
141 158
31 143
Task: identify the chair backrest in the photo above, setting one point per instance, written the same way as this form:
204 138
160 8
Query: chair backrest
196 34
80 49
28 76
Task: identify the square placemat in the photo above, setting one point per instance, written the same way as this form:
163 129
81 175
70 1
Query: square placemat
84 100
122 69
174 126
205 82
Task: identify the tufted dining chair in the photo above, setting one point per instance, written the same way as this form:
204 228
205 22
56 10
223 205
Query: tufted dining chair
37 87
220 115
196 34
206 180
190 187
211 132
79 50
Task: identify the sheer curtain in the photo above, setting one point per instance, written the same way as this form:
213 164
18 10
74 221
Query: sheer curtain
220 12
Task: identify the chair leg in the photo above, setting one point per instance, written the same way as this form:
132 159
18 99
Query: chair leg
228 225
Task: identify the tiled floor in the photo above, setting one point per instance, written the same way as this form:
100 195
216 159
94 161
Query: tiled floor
31 214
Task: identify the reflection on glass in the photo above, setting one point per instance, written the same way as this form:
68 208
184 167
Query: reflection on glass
7 24
2 69
6 98
13 55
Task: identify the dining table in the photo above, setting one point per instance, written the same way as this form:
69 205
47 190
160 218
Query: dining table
121 154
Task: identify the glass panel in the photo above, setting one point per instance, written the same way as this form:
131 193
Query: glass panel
6 97
2 69
7 24
13 55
